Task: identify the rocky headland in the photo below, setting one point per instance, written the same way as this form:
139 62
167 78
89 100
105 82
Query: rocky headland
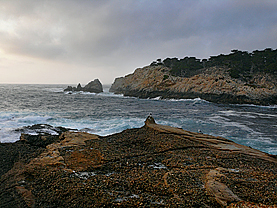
94 86
223 79
151 166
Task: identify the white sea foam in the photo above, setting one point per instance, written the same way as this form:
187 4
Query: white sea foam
247 114
110 94
195 100
10 121
256 106
55 89
157 98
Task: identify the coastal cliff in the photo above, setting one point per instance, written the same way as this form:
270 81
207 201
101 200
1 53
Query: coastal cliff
151 166
222 79
212 84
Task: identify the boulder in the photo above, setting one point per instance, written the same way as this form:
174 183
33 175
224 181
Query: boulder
94 86
69 88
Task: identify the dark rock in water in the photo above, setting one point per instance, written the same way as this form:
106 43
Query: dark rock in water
40 135
94 86
69 88
42 129
79 87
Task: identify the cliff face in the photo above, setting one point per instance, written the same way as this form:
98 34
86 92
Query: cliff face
212 84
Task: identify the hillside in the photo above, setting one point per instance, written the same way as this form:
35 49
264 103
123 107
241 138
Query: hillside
239 77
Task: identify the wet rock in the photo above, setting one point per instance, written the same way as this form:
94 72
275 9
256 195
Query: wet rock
40 135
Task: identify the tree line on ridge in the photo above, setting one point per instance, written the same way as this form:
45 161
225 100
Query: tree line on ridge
241 64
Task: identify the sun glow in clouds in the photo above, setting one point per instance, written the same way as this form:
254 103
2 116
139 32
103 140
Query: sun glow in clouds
83 40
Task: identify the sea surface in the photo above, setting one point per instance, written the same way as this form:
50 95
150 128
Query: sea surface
107 113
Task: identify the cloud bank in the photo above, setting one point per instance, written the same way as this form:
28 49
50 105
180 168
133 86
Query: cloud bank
68 41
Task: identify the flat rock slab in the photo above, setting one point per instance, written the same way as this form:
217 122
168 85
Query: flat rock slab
152 166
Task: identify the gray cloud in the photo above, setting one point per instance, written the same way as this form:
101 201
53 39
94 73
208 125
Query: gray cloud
120 35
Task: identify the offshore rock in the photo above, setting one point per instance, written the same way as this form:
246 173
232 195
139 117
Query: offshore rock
79 87
94 86
151 166
212 84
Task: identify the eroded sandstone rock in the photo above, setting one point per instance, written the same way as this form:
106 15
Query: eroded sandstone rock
212 84
151 166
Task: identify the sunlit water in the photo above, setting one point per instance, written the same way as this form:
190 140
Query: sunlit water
106 113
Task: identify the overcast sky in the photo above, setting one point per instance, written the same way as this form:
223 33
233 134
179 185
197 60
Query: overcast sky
72 41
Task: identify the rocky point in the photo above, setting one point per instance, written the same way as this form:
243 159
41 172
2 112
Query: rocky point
212 84
151 166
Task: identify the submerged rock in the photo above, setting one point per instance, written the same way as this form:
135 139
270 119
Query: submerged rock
151 166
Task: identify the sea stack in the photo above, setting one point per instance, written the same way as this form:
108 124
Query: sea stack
94 86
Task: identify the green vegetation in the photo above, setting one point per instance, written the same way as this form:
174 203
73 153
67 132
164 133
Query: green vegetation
165 77
241 64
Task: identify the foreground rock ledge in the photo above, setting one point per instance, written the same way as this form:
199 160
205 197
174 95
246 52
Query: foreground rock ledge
152 166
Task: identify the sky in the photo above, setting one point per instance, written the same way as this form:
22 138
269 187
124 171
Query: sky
76 41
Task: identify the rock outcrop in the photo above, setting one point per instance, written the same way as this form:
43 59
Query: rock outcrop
151 166
94 86
212 84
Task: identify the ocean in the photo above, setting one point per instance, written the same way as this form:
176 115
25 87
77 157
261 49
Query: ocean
107 113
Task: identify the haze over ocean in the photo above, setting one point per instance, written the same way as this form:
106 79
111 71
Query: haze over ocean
106 113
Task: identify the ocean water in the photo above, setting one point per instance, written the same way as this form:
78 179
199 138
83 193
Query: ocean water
106 113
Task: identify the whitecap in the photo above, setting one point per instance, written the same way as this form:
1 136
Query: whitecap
110 94
55 89
247 114
157 98
87 93
256 106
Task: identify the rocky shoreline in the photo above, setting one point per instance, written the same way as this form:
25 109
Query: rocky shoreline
151 166
216 98
212 84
